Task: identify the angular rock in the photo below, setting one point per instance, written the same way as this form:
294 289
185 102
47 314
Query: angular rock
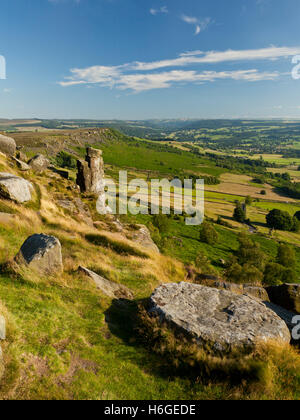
21 156
143 237
42 253
39 163
21 165
286 295
219 320
285 315
230 287
257 292
15 188
240 289
7 145
109 288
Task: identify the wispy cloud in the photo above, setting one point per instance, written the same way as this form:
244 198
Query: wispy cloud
143 76
214 57
200 24
162 9
142 82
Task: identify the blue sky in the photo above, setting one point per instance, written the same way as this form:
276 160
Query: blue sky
138 59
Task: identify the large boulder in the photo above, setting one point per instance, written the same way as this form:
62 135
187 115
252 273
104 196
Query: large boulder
15 188
286 295
7 145
39 163
219 320
109 288
42 253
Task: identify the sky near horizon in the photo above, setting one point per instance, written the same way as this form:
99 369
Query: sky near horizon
139 59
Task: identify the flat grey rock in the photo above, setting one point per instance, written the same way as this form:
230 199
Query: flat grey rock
219 320
15 188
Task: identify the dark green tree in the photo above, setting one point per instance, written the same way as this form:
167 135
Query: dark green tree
162 222
281 220
273 274
208 234
286 256
239 213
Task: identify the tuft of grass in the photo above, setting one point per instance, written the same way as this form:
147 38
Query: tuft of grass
272 370
119 247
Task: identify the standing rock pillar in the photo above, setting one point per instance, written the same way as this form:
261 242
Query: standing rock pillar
90 177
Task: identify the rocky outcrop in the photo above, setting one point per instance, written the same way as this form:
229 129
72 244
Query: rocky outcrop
91 172
142 237
15 188
257 292
109 288
90 177
286 295
41 253
219 320
240 289
7 145
39 163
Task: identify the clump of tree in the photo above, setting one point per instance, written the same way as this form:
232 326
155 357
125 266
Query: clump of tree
65 160
240 213
161 222
208 234
282 220
283 269
248 263
248 200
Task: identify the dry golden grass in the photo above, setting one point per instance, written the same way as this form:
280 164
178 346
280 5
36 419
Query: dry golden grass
239 185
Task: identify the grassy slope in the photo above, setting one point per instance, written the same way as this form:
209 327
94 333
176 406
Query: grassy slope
66 340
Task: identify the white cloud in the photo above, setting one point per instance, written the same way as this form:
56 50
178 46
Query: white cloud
162 9
214 57
142 76
200 24
138 82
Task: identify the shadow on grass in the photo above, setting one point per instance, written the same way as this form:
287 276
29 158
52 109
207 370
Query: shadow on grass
122 319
